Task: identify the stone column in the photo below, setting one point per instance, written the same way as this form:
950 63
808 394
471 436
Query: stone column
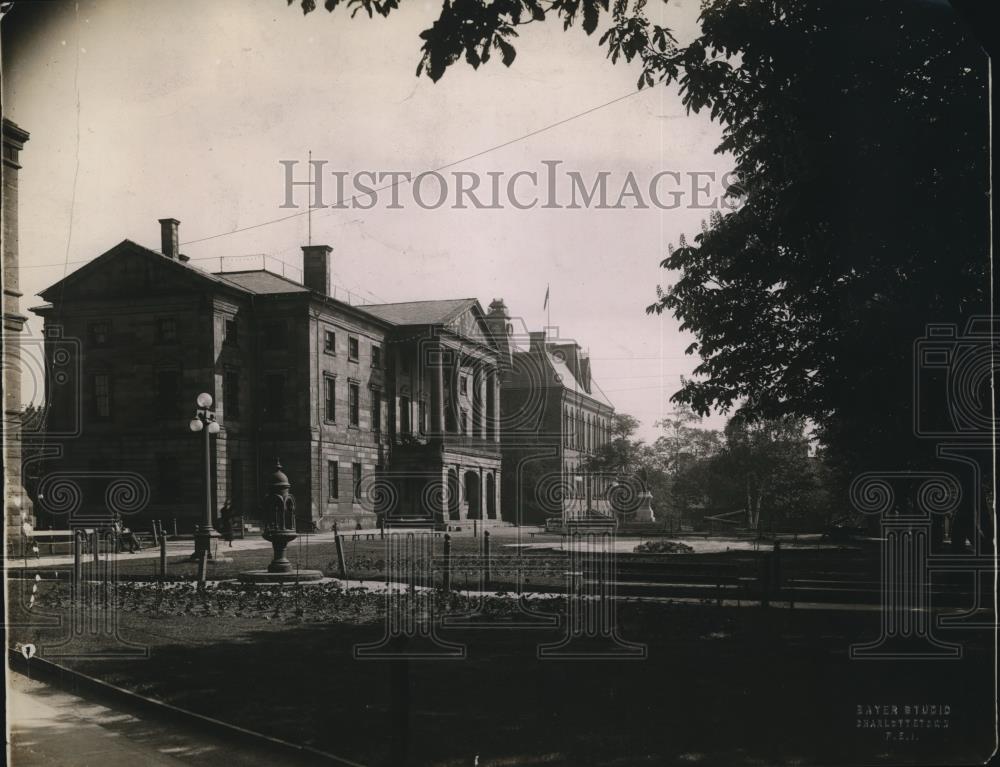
445 502
462 513
453 408
437 395
496 495
397 424
483 509
496 405
481 404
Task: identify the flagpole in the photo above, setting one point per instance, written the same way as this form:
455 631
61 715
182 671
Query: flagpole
548 311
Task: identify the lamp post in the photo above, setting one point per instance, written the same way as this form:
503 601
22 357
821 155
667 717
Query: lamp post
204 421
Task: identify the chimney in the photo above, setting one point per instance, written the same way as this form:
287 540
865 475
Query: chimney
316 268
168 238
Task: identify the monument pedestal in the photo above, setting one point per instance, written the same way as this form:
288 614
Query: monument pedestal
644 514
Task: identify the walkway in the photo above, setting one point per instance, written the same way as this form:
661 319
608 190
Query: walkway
52 728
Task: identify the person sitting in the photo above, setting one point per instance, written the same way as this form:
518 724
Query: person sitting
124 534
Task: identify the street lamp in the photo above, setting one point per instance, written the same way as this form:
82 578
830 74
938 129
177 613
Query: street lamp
204 421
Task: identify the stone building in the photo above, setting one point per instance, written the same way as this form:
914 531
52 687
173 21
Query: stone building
370 408
553 417
17 504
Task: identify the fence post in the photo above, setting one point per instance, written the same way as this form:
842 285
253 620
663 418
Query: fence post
446 573
341 561
163 556
488 577
156 537
77 564
202 569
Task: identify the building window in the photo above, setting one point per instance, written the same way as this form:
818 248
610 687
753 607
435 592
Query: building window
376 356
356 477
330 342
376 410
404 415
465 422
231 393
353 404
167 393
463 384
422 416
353 348
100 334
166 330
332 480
274 396
274 335
232 333
102 395
330 399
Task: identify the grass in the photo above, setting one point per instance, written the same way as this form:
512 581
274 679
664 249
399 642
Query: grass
719 685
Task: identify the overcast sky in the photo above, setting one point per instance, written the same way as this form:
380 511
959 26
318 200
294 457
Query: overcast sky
144 110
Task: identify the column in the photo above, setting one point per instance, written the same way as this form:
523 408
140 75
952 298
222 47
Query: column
393 406
483 515
437 395
481 403
496 404
496 494
453 408
462 514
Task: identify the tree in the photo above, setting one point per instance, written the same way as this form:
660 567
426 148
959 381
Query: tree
767 463
859 135
621 453
475 31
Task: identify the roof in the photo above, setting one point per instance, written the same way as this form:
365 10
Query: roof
133 247
420 312
260 281
565 375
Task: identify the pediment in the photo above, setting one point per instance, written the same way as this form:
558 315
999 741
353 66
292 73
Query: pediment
471 324
128 270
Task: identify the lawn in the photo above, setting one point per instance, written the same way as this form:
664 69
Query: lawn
718 685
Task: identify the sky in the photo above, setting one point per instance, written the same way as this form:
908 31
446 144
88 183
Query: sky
145 110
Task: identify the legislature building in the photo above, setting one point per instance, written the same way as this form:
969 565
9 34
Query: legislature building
384 412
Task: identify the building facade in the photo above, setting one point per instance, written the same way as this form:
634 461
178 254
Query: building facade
384 412
554 419
17 504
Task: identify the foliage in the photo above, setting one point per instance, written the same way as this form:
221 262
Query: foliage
663 547
851 152
474 31
859 132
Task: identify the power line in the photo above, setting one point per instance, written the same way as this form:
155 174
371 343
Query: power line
340 203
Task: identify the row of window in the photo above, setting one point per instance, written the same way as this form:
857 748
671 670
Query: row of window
274 332
353 403
583 431
333 480
353 348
